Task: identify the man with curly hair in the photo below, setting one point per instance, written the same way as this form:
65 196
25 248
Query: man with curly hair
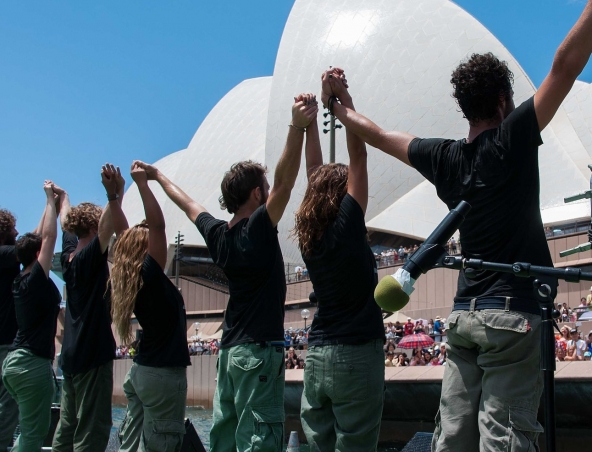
9 269
249 398
493 382
88 347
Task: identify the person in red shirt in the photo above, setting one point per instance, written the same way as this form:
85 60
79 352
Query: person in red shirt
409 327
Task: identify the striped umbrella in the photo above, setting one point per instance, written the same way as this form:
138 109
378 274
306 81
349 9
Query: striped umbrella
419 340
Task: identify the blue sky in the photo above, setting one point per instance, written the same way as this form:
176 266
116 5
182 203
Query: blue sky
82 83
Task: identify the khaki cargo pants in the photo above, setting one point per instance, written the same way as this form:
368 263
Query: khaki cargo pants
492 383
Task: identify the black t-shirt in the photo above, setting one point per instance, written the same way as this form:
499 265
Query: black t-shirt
88 339
9 268
37 304
250 256
160 310
498 174
343 273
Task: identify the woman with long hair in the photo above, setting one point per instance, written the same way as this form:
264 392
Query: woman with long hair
156 384
344 370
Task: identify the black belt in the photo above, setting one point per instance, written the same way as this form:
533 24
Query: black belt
264 344
504 303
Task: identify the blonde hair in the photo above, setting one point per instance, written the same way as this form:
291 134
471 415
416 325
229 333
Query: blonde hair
126 277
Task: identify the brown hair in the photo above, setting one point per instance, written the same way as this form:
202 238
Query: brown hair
327 187
27 247
238 183
126 278
83 218
7 223
479 83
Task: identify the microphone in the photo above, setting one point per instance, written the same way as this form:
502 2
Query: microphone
392 292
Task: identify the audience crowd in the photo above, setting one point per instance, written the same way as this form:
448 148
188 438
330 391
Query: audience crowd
434 355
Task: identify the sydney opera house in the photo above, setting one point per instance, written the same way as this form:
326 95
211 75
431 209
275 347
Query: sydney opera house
398 56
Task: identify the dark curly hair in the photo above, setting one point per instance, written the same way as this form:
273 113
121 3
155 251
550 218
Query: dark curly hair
326 189
478 83
7 223
238 183
83 218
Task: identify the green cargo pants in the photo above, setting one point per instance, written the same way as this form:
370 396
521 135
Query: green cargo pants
249 399
343 397
30 381
492 383
8 408
85 413
155 417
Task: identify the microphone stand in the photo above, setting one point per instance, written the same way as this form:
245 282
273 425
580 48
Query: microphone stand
543 294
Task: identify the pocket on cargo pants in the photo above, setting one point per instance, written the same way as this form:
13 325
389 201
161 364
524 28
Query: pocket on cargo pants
166 435
523 431
268 429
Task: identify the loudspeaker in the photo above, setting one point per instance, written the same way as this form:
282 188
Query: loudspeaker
191 441
421 442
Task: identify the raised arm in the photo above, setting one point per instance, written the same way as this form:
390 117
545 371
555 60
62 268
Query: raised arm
312 149
157 246
118 218
112 219
286 171
357 179
49 230
570 59
191 208
57 192
393 143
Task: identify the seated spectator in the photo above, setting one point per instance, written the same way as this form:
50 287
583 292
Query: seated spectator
401 360
427 357
390 335
300 362
434 362
442 354
291 359
589 342
389 347
559 352
576 347
388 362
417 358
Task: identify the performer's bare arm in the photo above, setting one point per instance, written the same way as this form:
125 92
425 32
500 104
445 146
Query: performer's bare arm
287 167
157 246
191 208
312 149
570 59
357 179
49 230
112 219
391 142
